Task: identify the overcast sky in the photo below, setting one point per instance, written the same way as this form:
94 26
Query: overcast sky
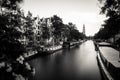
77 11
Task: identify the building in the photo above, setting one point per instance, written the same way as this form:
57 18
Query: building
40 24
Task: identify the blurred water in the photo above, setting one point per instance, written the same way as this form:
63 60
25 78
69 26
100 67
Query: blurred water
76 64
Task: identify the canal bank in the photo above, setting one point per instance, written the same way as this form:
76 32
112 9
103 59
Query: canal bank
78 63
47 50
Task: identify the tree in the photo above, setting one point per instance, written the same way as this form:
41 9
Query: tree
111 8
10 4
74 33
10 23
57 24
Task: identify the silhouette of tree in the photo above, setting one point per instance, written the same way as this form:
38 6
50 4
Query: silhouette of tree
74 33
10 4
111 8
10 23
58 26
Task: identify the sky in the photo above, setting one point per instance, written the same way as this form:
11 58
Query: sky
78 12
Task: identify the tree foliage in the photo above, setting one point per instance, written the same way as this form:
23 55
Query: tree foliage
57 25
111 8
10 24
74 32
62 30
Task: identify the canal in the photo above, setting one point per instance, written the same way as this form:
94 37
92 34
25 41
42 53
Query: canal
79 63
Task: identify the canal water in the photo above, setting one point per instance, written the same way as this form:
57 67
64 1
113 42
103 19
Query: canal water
79 63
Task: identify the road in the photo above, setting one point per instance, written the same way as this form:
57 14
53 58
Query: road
76 64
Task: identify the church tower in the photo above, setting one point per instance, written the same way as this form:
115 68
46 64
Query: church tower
83 29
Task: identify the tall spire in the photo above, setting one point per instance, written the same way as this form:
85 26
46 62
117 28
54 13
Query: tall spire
84 29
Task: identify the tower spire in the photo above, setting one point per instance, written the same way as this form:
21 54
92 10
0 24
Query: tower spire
84 29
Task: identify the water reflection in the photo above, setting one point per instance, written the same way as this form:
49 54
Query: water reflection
76 64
